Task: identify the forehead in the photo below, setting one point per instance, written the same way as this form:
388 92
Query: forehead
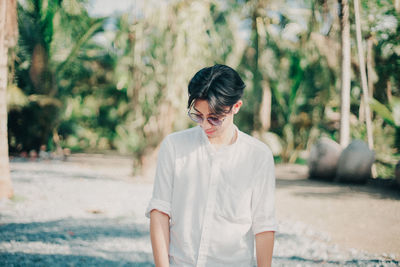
202 106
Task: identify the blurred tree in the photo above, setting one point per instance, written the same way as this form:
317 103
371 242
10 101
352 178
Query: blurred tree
126 88
260 82
160 51
295 64
363 74
8 38
345 74
383 27
52 33
390 114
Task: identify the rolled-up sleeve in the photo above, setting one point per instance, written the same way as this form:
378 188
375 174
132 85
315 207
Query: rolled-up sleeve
163 181
263 199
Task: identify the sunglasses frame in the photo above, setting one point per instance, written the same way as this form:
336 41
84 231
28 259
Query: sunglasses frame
193 116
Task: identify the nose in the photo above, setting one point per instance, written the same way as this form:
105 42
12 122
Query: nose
205 124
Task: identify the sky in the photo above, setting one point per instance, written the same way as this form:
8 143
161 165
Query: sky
99 8
102 8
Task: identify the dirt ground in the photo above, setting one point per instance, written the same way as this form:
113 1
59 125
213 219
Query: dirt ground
364 217
89 211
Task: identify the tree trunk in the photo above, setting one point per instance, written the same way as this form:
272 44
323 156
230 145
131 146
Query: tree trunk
363 74
260 80
370 67
5 179
264 113
345 86
265 108
389 90
7 38
370 79
257 76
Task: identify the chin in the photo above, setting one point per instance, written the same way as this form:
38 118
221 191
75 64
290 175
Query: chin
212 134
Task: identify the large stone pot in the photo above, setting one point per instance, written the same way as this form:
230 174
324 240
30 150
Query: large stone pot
397 173
355 163
323 159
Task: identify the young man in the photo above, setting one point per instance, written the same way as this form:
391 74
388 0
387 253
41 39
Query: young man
214 188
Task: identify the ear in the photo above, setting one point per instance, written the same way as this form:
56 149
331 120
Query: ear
236 106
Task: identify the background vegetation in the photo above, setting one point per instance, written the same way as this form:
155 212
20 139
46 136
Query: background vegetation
119 83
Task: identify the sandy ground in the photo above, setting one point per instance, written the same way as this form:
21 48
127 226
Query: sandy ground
363 217
88 211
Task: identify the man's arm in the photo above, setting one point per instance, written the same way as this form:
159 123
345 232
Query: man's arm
159 234
264 248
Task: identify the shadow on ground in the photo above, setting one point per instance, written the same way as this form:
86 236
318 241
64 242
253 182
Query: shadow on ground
28 259
297 176
75 242
70 229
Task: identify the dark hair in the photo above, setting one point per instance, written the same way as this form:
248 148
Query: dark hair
220 85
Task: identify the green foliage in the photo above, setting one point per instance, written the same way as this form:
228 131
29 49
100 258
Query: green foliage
43 112
120 83
391 115
52 34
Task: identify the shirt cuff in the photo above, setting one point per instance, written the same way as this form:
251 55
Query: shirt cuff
160 205
264 228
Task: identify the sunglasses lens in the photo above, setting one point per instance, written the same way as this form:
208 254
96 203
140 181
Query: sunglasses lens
196 118
199 119
214 121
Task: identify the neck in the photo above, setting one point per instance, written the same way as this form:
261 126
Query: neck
227 138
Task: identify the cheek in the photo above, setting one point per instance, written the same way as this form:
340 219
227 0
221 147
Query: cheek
224 127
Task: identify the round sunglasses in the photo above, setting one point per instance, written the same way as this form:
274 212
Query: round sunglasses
197 118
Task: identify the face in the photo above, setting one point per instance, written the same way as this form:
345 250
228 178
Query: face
202 109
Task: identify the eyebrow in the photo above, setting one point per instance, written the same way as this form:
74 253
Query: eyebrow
202 113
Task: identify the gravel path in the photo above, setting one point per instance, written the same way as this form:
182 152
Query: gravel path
91 213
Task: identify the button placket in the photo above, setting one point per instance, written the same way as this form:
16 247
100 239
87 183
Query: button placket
212 189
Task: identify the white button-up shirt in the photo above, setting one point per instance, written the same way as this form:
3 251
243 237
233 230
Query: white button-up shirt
217 200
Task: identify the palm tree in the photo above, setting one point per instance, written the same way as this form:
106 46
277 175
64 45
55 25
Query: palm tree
8 38
160 52
53 37
363 74
346 79
260 78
